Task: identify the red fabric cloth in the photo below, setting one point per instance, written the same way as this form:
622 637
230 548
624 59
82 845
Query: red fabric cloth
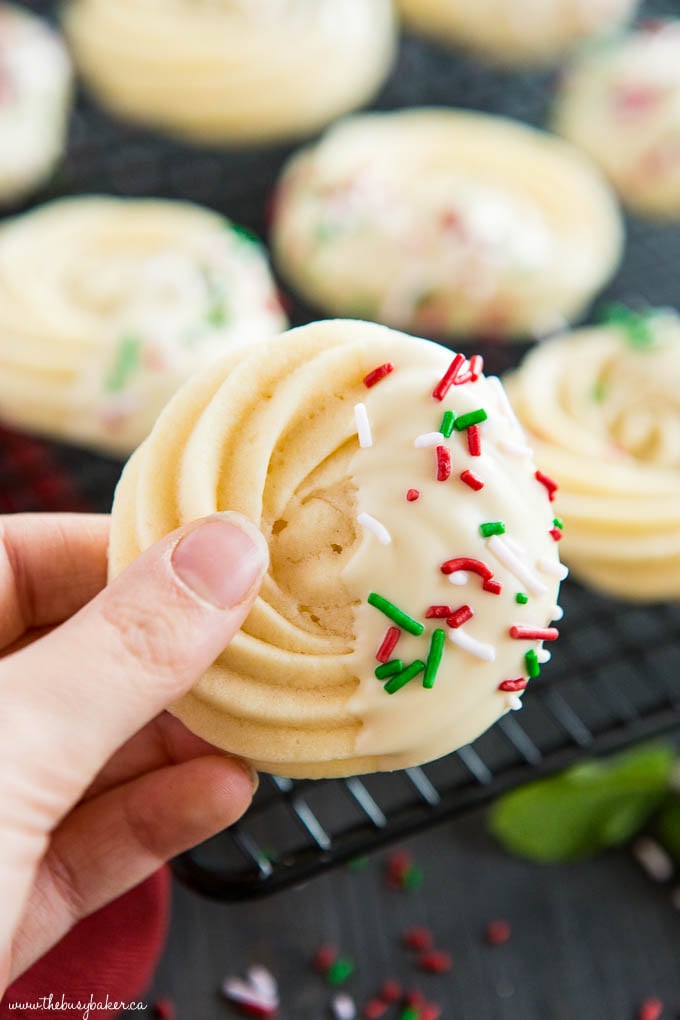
112 952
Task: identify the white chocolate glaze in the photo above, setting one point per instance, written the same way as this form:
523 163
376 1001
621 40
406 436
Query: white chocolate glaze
35 100
272 434
621 104
108 305
243 71
445 222
602 409
516 32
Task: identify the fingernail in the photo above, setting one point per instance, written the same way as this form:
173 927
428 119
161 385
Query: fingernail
250 772
221 560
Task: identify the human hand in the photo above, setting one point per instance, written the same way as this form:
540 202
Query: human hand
98 785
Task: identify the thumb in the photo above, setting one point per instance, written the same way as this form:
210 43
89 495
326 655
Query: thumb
71 699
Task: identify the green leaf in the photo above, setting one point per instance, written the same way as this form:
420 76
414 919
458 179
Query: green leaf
667 828
591 806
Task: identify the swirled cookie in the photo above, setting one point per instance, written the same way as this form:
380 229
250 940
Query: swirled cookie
413 571
107 305
602 408
35 99
446 223
232 70
516 32
621 104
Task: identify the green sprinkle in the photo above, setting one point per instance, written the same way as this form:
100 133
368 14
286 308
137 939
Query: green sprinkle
409 1013
389 669
446 427
339 971
533 667
217 313
637 326
126 363
521 598
491 528
558 523
358 863
413 879
244 233
599 390
473 418
434 657
401 679
399 617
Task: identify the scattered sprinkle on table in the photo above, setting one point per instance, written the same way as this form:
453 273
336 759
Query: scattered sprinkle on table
497 932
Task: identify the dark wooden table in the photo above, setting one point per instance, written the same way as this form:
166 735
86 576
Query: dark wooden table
589 941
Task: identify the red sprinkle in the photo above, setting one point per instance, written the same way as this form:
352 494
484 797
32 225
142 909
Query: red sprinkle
164 1009
412 495
548 483
436 962
556 534
418 938
473 373
255 1009
375 1008
492 585
443 464
534 633
497 932
446 382
390 991
389 643
651 1009
398 864
431 1011
324 958
466 563
414 997
472 480
438 612
474 439
377 374
459 617
514 685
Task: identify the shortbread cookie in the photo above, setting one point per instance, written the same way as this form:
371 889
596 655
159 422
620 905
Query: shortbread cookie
232 70
446 223
107 305
35 101
602 409
621 104
517 32
414 569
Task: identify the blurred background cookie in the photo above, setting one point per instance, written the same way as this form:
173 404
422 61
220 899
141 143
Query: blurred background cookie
621 104
35 101
232 70
445 223
602 410
108 305
516 32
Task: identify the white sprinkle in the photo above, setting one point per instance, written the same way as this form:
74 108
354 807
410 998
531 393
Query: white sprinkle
516 449
378 529
653 859
553 567
507 556
363 426
514 703
557 613
459 578
343 1007
543 655
242 992
472 645
262 981
675 897
428 439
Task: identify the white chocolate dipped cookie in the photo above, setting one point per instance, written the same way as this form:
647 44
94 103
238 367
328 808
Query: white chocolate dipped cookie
107 305
517 33
413 573
35 101
232 71
620 103
446 223
602 410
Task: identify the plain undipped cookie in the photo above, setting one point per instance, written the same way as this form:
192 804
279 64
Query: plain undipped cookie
405 522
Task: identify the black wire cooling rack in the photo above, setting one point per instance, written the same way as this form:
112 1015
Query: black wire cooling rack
615 677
